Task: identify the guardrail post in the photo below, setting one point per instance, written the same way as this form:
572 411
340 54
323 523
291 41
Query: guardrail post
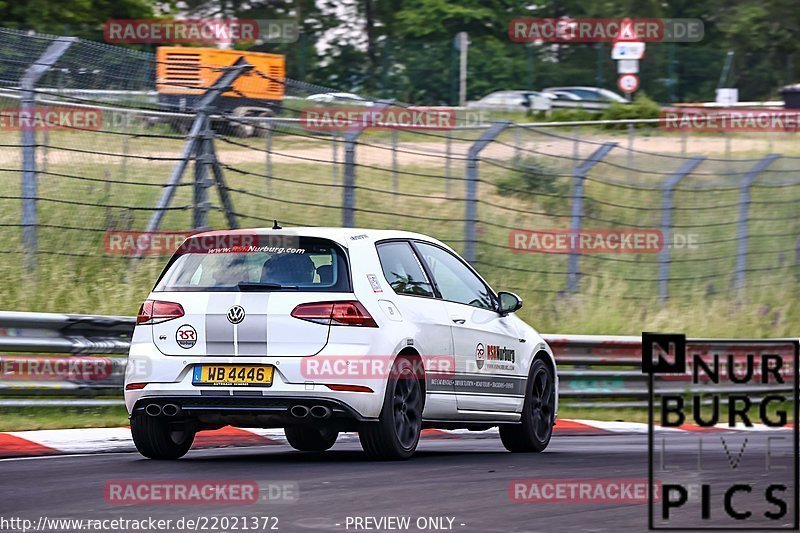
27 107
195 145
578 178
349 191
666 222
471 215
744 209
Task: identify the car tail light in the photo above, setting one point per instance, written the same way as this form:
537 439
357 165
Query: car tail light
346 313
155 312
135 386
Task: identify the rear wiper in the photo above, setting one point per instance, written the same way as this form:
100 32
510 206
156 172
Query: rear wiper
255 286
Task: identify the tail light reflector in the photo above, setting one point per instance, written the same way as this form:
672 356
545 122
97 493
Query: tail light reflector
344 313
155 312
349 388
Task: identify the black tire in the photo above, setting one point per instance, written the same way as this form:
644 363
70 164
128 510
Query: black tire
157 438
538 414
396 434
310 439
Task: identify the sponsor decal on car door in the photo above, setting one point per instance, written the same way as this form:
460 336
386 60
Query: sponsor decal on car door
484 342
487 365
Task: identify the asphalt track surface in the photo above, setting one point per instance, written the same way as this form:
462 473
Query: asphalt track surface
466 480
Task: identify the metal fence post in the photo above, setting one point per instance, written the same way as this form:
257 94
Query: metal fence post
576 140
578 178
448 142
666 222
335 165
202 158
27 107
195 144
268 161
744 209
631 138
471 216
349 191
395 184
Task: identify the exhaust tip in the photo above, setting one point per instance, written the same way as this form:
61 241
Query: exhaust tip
170 409
320 411
153 409
299 411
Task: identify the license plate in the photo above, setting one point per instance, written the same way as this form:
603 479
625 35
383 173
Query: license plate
233 375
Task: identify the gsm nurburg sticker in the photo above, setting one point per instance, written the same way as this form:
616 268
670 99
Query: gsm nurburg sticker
714 479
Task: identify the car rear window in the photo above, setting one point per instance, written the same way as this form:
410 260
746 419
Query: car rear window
312 265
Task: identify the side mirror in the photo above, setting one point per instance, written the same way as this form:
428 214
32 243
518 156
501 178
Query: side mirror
508 302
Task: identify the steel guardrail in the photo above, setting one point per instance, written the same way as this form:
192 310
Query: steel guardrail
599 369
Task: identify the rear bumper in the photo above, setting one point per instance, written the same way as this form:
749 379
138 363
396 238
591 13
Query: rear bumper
172 377
277 407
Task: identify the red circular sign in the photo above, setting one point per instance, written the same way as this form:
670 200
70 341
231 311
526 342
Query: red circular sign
628 83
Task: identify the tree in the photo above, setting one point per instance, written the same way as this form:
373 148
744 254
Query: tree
81 18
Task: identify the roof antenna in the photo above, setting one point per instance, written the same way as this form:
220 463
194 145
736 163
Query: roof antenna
276 225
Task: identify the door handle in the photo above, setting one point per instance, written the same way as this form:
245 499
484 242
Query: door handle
459 320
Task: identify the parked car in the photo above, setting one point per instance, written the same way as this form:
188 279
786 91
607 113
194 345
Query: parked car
562 95
588 94
339 98
513 101
322 330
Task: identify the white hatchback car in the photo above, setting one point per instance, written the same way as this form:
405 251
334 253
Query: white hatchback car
325 330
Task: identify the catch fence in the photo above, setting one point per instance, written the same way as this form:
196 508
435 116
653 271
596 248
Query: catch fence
722 209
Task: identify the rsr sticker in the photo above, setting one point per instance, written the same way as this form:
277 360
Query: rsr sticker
186 336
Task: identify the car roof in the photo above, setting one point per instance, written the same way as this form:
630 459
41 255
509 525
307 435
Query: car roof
573 87
512 91
342 236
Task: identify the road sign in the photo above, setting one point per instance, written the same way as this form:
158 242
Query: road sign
627 66
626 50
627 32
628 83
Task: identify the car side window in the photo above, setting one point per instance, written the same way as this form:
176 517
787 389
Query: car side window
455 280
402 269
590 96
